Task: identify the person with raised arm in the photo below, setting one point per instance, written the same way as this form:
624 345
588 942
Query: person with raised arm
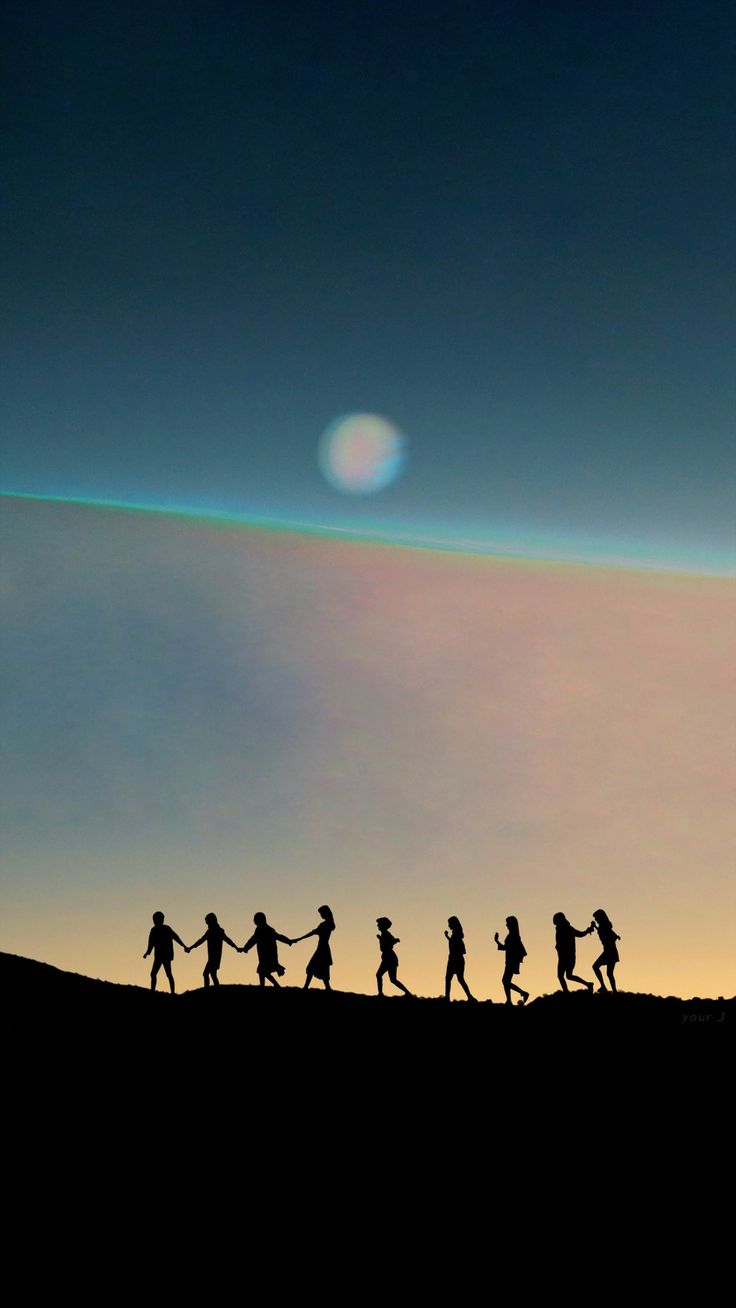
321 961
455 938
161 943
515 954
389 961
609 958
216 938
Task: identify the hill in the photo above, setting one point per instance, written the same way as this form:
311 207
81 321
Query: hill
55 1016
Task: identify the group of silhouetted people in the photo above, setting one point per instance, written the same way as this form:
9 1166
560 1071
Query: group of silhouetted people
265 938
266 941
566 935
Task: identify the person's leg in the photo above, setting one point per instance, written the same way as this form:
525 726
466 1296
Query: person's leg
393 978
509 985
588 984
379 977
461 978
308 981
448 979
170 975
611 977
598 973
561 976
213 974
154 972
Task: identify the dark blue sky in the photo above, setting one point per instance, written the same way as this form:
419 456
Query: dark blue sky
506 226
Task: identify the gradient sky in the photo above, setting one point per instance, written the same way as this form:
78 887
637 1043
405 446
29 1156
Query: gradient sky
506 227
204 717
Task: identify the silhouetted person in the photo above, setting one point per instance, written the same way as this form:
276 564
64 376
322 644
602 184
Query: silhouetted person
565 946
456 957
389 961
515 955
321 961
265 939
215 937
609 957
161 942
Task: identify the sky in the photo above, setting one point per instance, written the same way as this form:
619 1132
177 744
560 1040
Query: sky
208 717
507 227
507 230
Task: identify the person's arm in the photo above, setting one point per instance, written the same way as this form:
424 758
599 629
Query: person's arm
586 932
175 937
306 936
199 942
285 939
150 944
249 944
498 942
229 941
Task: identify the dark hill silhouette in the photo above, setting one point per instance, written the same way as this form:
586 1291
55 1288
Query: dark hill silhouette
55 1016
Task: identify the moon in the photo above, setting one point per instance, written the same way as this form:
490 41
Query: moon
361 453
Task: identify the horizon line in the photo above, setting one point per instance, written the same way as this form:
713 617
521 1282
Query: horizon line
514 551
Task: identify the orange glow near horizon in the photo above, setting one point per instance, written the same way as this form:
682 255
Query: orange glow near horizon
421 735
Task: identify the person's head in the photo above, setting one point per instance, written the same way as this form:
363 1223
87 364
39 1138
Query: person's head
158 918
383 923
259 919
325 913
559 919
454 924
211 919
513 924
601 918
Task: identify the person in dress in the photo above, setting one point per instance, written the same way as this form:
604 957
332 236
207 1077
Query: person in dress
455 938
321 961
515 954
609 958
265 938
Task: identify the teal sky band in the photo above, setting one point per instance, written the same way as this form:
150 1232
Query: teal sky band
516 544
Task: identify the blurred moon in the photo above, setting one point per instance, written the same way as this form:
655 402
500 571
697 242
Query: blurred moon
361 453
